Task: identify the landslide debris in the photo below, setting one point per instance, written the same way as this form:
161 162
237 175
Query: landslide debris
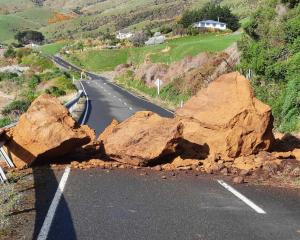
228 118
143 139
223 129
45 132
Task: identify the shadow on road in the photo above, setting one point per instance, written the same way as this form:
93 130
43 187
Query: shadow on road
46 183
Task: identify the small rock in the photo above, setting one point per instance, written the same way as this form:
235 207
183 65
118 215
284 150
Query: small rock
157 168
216 168
238 180
296 172
122 166
224 171
244 172
270 167
164 177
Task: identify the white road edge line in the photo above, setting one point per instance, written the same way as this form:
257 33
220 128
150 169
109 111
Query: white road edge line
51 212
242 197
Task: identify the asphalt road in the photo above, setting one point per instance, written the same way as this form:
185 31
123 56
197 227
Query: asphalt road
127 204
108 101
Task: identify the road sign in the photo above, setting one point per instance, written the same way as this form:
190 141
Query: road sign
158 84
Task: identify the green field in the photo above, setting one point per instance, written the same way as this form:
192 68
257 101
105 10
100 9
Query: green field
30 19
11 24
171 51
53 48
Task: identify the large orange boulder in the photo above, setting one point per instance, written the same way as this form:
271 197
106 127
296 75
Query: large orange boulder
142 139
228 118
45 132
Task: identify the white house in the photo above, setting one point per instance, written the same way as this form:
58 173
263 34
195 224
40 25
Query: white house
210 24
124 35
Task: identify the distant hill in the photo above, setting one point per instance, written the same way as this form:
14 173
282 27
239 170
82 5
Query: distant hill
90 17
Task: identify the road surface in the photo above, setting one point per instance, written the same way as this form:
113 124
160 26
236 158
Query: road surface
132 205
108 101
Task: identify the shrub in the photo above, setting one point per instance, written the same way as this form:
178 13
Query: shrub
10 52
55 91
23 52
291 106
34 82
4 122
271 50
17 107
64 83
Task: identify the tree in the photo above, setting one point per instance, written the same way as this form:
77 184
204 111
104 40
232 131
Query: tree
27 37
10 52
292 3
213 12
139 39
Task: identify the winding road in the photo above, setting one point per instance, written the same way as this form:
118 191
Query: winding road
140 204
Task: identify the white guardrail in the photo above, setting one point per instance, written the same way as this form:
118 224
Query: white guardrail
71 105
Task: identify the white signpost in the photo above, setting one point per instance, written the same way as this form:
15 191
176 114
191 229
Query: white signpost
158 84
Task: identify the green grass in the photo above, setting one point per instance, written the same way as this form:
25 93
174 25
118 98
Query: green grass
169 96
53 48
37 15
11 24
106 60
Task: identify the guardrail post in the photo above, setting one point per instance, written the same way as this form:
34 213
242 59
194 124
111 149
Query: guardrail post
6 158
3 177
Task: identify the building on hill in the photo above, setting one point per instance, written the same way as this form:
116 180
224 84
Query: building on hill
210 24
124 35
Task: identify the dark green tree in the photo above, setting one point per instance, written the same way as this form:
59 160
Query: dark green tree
29 36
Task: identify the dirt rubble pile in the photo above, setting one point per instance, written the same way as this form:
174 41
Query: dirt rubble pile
222 124
45 132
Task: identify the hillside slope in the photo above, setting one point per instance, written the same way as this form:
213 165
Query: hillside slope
93 16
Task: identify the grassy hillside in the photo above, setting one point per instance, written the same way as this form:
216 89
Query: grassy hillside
11 24
173 50
93 16
12 6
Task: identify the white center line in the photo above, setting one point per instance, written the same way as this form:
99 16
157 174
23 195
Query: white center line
242 197
125 103
51 212
120 99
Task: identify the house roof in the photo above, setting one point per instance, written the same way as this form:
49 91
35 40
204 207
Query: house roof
211 21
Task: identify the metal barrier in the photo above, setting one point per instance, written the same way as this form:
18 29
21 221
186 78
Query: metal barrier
69 105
